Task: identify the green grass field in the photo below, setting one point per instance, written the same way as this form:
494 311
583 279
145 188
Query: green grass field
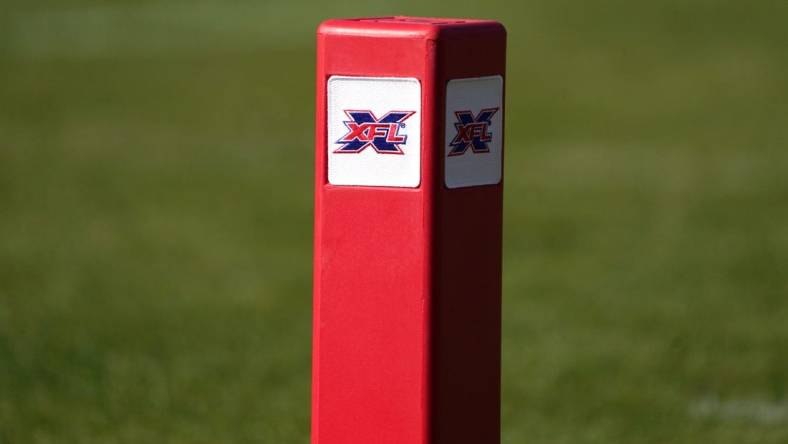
155 220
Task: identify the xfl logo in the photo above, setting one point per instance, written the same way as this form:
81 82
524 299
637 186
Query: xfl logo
365 130
472 132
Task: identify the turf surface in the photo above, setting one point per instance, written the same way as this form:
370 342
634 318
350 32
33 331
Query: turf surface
155 220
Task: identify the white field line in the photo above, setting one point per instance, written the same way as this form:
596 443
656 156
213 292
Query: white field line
757 410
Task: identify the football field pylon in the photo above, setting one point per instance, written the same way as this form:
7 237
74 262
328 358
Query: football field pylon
408 215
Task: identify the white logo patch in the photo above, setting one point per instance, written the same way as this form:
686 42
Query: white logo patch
474 131
374 131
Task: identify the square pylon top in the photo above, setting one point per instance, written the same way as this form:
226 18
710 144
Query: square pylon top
403 26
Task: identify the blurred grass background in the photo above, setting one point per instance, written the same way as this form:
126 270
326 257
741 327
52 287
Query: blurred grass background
155 219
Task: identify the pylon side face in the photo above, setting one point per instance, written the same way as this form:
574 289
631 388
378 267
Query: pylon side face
408 193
